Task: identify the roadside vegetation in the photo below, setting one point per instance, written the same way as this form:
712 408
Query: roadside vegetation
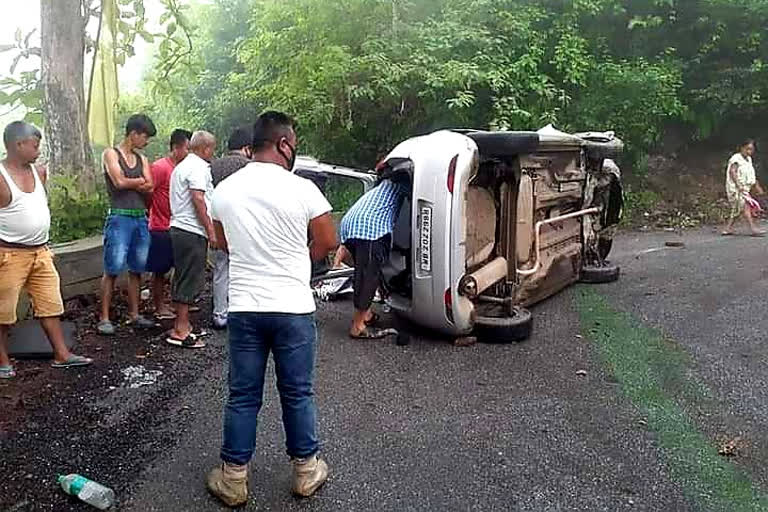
684 81
653 373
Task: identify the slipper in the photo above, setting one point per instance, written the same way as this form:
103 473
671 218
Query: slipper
73 361
166 315
140 323
105 328
7 372
202 333
190 341
373 334
373 320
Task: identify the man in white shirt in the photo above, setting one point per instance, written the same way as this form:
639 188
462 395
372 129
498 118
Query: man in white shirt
191 232
261 215
26 262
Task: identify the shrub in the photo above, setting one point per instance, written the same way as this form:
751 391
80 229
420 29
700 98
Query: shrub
74 214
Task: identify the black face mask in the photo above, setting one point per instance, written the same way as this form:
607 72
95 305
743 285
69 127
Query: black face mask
292 160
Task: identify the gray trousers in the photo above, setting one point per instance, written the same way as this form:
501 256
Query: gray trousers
220 285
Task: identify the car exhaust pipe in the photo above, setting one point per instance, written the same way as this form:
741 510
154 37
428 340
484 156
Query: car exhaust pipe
472 285
553 220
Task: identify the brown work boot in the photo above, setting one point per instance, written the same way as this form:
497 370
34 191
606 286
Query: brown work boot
229 483
308 475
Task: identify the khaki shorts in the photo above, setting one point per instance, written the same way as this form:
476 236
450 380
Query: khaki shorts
33 270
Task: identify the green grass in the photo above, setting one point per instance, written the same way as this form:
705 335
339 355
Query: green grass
653 374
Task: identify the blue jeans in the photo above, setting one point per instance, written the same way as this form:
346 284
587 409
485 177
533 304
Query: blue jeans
126 244
291 339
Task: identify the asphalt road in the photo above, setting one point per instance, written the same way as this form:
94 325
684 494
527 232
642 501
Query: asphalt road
538 426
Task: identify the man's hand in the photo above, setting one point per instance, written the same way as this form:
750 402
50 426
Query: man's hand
213 240
221 237
146 188
323 233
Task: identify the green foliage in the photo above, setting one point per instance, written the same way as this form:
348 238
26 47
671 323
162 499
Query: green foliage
639 204
342 193
74 214
361 75
175 46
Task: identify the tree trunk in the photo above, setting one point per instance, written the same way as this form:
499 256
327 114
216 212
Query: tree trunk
63 58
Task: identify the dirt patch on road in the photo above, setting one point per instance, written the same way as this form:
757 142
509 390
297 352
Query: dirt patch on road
88 420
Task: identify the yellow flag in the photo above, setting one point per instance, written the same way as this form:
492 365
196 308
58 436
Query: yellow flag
103 92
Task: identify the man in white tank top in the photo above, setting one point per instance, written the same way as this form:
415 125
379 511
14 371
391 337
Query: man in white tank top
26 262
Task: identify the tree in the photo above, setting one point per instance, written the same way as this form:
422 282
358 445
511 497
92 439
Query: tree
63 64
55 94
361 75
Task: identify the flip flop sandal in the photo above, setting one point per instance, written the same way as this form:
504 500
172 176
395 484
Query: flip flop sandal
170 315
73 361
373 334
7 372
105 328
190 341
141 323
375 318
726 233
759 234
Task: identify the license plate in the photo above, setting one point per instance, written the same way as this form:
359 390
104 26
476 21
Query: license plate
425 239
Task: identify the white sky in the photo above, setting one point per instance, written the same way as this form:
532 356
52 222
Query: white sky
28 18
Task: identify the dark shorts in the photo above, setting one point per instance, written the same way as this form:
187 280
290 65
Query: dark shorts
126 244
370 257
160 259
189 255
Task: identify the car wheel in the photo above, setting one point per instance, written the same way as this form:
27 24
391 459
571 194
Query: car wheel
604 246
601 150
498 326
505 144
593 274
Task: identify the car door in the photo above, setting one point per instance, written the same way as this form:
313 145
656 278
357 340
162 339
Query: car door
342 186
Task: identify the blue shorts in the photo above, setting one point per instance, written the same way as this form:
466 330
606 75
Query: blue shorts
160 259
126 244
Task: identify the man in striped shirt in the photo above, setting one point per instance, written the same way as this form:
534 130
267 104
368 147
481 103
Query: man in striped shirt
366 232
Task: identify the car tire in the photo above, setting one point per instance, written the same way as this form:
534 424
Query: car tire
599 150
592 274
503 328
505 144
604 246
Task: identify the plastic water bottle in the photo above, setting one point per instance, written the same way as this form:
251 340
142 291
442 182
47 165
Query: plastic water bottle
88 491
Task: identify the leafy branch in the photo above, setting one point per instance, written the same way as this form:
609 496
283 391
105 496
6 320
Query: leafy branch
175 45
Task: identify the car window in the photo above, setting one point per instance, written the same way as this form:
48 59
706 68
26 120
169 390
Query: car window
342 192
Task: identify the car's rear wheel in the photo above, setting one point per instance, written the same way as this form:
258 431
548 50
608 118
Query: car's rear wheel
604 246
505 144
598 274
497 325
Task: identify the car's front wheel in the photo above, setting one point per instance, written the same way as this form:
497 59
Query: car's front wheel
497 325
596 274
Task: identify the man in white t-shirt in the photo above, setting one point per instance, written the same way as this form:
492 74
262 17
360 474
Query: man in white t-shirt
261 216
191 232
